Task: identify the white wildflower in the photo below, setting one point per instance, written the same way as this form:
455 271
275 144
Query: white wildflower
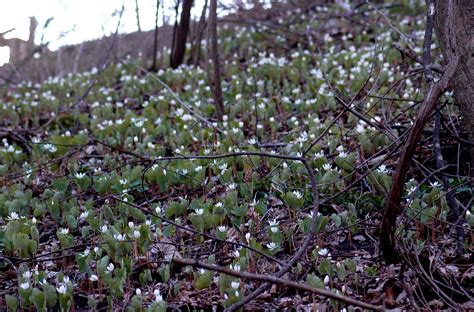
435 184
61 289
27 274
323 252
273 225
252 141
158 297
235 285
13 216
272 246
326 280
223 168
119 237
319 155
25 285
136 234
297 194
83 215
80 175
327 167
382 169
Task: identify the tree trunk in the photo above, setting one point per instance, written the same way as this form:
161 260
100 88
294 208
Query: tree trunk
196 48
464 76
154 66
137 11
179 46
217 88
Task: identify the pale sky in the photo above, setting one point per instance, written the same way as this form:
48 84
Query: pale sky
78 20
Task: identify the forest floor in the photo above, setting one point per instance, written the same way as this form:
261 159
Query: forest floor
108 202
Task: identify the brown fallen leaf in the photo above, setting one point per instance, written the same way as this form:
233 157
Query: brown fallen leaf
167 248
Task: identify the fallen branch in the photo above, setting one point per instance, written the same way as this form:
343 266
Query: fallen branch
278 280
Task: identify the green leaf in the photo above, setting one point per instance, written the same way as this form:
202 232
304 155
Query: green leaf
314 281
34 233
39 300
325 267
204 280
61 184
341 272
136 303
12 303
321 222
91 303
164 271
50 295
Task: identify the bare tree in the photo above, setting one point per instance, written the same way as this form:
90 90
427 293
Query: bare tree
195 54
216 78
137 11
180 34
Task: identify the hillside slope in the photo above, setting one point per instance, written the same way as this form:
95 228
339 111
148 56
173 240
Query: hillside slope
99 195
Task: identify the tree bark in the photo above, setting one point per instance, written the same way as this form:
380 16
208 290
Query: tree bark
464 76
217 87
179 45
